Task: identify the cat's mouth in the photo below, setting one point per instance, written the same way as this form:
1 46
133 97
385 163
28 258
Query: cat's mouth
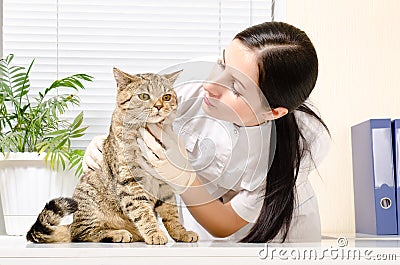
165 116
156 118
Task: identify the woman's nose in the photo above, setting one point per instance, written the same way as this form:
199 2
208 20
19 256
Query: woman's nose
214 88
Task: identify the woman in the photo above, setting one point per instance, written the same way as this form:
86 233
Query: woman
250 141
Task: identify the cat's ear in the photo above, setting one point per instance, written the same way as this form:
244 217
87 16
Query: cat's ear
173 76
123 79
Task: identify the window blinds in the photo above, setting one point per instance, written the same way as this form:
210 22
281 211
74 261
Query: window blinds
93 36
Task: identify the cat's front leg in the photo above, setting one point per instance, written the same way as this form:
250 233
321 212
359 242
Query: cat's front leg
166 207
136 205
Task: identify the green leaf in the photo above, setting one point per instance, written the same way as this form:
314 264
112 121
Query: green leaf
24 108
76 158
58 132
18 83
9 58
16 69
80 130
42 147
62 160
3 68
18 75
78 152
77 135
79 170
84 77
62 143
77 121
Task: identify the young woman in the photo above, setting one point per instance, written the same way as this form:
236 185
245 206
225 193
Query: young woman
250 140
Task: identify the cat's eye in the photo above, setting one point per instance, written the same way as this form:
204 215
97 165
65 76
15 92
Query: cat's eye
144 96
167 97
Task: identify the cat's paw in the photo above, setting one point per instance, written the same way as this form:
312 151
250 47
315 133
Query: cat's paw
118 236
156 238
188 236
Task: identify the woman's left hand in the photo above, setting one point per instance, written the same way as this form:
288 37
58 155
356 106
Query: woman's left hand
166 153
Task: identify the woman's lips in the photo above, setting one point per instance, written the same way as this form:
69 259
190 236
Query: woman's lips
207 101
206 97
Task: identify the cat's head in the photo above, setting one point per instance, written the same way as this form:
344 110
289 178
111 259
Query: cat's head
145 98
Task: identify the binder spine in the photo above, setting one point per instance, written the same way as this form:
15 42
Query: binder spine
396 163
373 174
363 181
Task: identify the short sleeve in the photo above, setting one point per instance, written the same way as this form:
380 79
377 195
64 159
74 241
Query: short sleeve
248 204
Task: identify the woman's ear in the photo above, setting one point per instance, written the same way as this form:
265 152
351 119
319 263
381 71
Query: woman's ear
275 113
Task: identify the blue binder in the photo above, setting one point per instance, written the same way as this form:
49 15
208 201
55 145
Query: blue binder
396 159
373 177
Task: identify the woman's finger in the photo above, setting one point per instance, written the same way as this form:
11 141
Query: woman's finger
93 157
98 141
146 152
152 145
164 134
90 163
155 130
146 165
171 134
97 156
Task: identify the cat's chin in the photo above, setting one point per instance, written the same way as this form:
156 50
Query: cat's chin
155 119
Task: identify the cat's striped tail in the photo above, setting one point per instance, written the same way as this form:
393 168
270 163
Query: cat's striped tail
47 228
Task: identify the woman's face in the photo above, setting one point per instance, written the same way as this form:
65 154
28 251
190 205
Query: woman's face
232 91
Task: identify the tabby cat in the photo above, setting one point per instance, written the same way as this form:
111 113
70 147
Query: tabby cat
119 202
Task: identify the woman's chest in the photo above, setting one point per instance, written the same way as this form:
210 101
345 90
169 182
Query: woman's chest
223 154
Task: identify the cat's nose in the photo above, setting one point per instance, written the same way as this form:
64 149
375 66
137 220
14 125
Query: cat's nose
158 106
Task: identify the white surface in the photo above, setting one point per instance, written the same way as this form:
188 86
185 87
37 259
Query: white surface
15 250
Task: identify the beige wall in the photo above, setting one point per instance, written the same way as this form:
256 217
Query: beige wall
357 43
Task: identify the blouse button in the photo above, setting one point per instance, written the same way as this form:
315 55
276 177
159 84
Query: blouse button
235 131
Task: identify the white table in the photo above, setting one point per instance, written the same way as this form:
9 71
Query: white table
350 249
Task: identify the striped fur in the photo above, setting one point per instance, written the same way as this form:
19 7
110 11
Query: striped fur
47 228
120 201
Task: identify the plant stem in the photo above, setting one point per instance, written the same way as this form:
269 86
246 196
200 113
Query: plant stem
29 104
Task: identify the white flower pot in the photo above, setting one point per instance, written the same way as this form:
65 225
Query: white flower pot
27 183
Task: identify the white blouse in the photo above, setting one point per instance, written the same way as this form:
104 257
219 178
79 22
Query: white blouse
232 162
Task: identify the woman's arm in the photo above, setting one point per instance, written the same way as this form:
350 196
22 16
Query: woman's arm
170 163
219 219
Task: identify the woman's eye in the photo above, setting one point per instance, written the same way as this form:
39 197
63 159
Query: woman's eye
166 97
144 96
234 91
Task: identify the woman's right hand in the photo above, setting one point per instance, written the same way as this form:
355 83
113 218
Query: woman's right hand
93 155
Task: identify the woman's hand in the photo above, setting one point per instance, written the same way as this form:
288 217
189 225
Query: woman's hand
93 155
167 156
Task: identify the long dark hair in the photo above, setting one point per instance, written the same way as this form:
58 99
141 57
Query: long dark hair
288 70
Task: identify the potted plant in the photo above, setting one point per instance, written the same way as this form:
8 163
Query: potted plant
35 143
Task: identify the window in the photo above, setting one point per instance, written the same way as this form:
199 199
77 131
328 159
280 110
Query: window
92 36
